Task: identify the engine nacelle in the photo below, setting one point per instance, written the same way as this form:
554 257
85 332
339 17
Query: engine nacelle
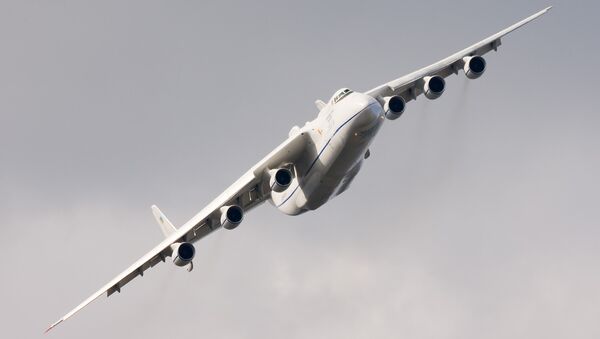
393 107
183 253
231 216
434 86
474 66
280 179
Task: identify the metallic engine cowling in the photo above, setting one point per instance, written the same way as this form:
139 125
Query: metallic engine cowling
231 216
280 179
394 107
183 253
433 86
474 66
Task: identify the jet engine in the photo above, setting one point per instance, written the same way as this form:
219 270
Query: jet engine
474 66
434 86
280 179
183 253
394 107
231 216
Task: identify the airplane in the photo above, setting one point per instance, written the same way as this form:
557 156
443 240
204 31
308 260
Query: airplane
314 164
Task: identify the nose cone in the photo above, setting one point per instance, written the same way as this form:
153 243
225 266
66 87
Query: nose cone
361 101
368 111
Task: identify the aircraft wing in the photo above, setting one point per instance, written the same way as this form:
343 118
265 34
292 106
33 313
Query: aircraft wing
411 85
247 192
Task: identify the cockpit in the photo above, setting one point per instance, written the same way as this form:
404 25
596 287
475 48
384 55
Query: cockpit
340 94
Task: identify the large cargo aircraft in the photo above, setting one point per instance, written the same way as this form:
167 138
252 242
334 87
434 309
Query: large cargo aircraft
314 164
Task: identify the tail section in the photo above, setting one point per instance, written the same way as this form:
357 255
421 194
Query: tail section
165 225
320 104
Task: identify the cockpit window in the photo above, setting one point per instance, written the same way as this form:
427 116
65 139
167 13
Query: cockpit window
341 95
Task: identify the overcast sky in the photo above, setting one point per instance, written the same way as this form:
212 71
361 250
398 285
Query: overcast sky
475 216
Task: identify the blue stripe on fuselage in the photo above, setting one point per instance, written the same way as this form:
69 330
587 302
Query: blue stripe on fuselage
321 152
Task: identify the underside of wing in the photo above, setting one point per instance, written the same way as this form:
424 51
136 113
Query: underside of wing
429 80
246 193
152 258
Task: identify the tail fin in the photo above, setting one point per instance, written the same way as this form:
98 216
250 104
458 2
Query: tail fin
165 225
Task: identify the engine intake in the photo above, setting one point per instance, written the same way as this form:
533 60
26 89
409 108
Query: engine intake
394 107
474 66
280 179
183 253
231 216
434 86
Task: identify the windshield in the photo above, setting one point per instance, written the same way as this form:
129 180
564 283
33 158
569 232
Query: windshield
341 94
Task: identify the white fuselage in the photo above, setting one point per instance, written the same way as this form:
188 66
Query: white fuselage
337 142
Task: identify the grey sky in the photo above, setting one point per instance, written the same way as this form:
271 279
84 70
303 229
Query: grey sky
476 215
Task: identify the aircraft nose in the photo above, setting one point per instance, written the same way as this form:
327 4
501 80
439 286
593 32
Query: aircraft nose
369 112
362 102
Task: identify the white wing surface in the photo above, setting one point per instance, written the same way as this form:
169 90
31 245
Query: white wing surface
247 192
411 85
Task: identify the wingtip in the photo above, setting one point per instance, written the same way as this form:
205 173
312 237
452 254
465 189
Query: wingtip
53 326
547 8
